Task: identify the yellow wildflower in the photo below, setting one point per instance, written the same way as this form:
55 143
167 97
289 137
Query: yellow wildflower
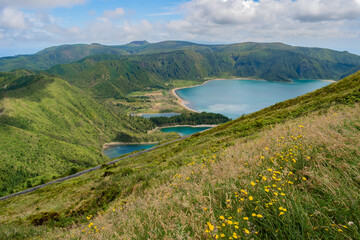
259 216
253 184
251 198
211 227
246 231
246 218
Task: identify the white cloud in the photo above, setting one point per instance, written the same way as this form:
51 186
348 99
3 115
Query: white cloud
323 10
225 12
32 4
266 20
12 18
117 13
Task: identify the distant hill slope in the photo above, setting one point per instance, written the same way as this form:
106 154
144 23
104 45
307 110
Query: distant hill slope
277 172
49 127
271 61
55 55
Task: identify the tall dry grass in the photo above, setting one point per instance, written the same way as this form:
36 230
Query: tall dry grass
298 180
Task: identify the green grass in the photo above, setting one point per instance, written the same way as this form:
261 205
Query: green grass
50 128
146 193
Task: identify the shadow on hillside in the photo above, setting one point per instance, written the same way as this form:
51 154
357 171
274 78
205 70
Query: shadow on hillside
7 121
33 90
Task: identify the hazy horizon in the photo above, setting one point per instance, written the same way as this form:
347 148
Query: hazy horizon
22 51
32 25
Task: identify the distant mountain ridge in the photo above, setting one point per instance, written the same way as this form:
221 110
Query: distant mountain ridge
270 61
114 76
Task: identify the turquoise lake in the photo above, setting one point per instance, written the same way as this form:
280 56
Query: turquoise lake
184 130
234 98
118 150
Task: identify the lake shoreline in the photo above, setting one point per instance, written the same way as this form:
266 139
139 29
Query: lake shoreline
183 102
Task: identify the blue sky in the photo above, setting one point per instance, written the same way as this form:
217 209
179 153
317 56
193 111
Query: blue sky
135 10
27 26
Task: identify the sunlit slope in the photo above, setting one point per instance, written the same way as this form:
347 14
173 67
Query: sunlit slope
188 184
50 128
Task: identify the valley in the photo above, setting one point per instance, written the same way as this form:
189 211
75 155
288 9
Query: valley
56 116
211 161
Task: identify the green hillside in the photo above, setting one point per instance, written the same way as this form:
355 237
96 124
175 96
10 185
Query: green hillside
185 60
290 171
50 128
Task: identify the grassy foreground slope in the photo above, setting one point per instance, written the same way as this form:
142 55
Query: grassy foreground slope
50 128
290 171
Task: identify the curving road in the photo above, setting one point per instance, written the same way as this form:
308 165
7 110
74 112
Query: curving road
90 170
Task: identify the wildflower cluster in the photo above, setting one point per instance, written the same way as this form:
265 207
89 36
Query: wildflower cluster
91 228
208 157
264 203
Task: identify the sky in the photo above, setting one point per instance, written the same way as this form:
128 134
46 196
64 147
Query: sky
27 26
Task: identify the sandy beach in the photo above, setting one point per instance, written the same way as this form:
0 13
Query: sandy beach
181 101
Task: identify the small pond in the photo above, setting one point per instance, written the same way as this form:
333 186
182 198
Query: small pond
118 150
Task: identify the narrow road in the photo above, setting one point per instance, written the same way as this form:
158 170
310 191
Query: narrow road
90 170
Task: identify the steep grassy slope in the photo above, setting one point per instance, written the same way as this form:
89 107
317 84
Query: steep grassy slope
290 171
49 128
